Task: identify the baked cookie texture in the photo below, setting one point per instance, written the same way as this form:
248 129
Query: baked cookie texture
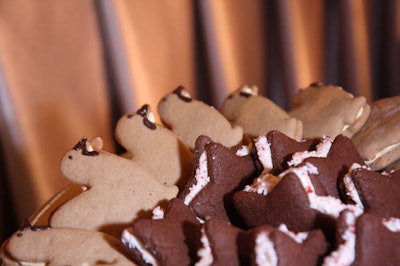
201 188
258 115
154 147
189 118
379 140
65 246
118 190
329 111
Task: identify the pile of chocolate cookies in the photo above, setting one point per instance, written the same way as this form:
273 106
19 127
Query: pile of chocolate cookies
248 184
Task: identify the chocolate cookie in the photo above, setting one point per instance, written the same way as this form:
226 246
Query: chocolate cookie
219 173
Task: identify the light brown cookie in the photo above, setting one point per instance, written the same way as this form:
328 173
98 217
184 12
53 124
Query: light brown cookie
258 115
119 190
64 246
327 110
154 147
189 118
379 140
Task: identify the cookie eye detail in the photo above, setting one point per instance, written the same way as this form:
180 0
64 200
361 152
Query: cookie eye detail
148 123
247 92
317 84
70 157
144 110
183 94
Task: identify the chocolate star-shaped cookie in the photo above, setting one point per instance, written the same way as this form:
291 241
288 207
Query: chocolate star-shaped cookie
220 172
287 203
379 193
275 149
366 240
172 240
333 167
377 243
295 202
278 246
221 244
224 244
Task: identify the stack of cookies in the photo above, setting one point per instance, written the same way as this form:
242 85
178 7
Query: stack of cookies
248 184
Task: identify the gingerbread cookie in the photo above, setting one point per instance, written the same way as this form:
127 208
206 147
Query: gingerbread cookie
379 140
329 111
189 118
258 115
118 190
154 147
64 246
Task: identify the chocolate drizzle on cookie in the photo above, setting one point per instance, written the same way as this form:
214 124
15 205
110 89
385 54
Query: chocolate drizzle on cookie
245 94
316 84
179 91
143 112
27 225
81 145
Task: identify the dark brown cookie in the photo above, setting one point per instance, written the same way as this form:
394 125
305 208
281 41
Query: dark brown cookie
221 244
276 148
379 193
172 240
331 169
377 242
279 206
219 173
273 246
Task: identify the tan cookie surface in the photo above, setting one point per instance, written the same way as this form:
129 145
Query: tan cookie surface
379 140
118 190
329 110
154 147
64 246
258 115
189 118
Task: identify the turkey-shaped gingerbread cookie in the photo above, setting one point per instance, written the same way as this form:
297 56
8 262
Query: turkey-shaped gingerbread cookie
154 147
258 115
189 118
118 190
